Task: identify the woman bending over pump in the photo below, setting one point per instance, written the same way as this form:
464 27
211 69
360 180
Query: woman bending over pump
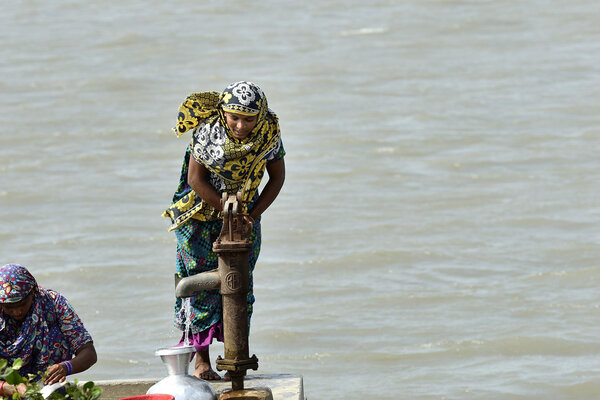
235 138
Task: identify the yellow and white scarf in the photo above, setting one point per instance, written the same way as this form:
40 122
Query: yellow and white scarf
235 165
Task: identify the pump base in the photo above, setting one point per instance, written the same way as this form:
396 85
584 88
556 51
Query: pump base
262 393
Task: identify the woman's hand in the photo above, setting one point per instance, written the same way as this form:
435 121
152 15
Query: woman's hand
84 358
9 390
21 388
248 219
56 373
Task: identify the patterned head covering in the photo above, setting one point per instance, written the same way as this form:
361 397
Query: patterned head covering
234 164
243 98
15 283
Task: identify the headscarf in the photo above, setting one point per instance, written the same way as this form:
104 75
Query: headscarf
242 98
234 164
51 331
16 283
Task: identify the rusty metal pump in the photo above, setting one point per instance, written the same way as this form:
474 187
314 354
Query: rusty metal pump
232 279
233 247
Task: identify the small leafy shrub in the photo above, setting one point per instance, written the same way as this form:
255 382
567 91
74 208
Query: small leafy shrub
10 374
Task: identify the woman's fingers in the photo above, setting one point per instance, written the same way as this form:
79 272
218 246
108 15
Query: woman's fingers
56 373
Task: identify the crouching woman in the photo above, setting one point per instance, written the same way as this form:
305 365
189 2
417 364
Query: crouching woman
40 327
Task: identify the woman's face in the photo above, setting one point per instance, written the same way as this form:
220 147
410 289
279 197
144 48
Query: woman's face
19 310
240 125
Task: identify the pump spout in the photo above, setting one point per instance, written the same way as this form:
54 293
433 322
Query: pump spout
187 287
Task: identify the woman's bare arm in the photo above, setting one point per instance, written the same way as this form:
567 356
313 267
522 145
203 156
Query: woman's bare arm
84 358
276 171
197 179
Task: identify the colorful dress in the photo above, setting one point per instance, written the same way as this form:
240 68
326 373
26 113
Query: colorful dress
51 332
234 165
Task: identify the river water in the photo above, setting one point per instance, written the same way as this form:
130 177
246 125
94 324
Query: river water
438 233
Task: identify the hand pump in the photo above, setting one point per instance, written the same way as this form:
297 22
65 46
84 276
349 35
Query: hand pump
232 278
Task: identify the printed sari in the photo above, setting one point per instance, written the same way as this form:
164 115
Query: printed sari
51 333
234 165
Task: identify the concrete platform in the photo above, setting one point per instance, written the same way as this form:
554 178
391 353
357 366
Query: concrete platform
283 386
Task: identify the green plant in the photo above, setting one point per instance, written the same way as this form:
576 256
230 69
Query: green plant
87 391
10 374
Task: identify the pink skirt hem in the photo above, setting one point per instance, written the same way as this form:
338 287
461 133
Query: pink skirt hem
202 340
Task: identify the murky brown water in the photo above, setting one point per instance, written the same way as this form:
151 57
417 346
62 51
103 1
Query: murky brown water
437 235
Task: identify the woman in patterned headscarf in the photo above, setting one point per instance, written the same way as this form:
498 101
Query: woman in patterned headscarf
41 328
235 137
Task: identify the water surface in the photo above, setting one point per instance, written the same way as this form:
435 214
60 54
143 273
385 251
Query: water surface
437 234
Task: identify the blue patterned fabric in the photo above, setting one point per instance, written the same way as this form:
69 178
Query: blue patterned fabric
194 255
51 333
